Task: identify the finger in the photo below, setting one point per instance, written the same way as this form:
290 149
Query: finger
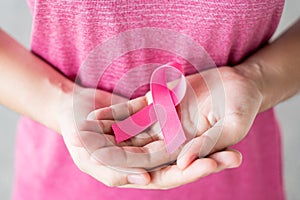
172 176
93 138
228 158
105 126
109 176
114 177
91 141
150 156
103 98
119 111
98 126
140 140
149 135
199 146
191 114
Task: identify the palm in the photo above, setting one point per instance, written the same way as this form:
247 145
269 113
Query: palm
85 138
218 112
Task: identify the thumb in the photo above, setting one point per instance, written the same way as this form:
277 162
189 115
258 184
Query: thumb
199 146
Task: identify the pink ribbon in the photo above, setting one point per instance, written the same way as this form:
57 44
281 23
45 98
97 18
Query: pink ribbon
162 110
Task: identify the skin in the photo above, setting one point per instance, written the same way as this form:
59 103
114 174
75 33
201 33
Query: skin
266 78
36 81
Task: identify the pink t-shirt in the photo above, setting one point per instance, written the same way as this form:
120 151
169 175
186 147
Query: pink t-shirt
66 33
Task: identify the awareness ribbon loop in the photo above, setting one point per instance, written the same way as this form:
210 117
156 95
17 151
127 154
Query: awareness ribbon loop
162 109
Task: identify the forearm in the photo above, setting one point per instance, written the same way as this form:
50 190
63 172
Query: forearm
29 85
276 68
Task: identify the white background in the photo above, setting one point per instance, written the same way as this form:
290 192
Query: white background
16 20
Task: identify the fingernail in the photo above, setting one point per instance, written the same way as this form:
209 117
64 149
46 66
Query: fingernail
91 116
136 179
149 98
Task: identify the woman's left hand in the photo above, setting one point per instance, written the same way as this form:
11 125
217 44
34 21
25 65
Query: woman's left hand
218 111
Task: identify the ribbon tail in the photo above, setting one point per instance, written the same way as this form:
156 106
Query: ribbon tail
135 124
167 117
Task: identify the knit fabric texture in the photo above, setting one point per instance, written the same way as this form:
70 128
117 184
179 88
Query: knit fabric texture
65 33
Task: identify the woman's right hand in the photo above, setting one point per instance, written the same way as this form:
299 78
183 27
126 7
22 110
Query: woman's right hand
84 138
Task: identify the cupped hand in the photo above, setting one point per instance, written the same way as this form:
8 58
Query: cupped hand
227 104
216 112
84 138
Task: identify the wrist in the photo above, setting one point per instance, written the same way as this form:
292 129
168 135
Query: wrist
253 72
61 102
